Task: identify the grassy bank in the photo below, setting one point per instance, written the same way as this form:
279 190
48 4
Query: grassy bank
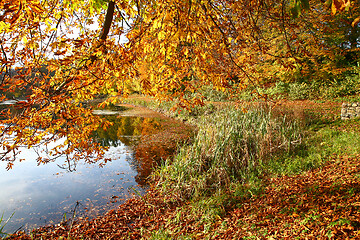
231 148
235 154
270 172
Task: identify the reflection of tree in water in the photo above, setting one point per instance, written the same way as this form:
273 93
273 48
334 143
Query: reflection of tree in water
153 140
124 129
154 148
149 152
129 127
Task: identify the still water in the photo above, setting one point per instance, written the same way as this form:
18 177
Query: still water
47 194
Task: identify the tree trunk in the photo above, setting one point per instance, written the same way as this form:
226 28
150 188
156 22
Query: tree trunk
108 20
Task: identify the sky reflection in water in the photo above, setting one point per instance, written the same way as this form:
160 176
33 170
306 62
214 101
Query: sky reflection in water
40 195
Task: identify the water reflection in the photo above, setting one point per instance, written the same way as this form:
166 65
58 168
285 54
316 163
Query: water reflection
152 139
126 130
40 195
137 132
154 148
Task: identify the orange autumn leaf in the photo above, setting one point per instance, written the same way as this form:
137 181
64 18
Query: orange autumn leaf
355 22
339 5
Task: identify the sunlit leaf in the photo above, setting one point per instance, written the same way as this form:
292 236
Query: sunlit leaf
355 22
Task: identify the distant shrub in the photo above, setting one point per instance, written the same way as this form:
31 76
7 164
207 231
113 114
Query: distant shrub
212 94
298 91
278 91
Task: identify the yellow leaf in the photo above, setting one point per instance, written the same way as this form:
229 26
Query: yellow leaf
24 39
162 50
186 52
355 22
47 22
4 26
156 24
161 36
333 8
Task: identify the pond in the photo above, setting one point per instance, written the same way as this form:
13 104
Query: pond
47 194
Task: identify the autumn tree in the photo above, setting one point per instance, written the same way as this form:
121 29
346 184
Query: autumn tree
169 48
333 47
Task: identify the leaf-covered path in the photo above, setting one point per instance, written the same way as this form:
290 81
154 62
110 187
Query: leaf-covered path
321 203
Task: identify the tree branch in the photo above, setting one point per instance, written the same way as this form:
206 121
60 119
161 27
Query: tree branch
108 21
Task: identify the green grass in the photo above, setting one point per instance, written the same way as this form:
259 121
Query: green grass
322 142
234 153
3 223
227 160
229 147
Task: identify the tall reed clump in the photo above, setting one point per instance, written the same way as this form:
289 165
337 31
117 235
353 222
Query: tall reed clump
230 144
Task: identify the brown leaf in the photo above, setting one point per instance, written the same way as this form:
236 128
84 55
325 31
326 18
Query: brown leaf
339 5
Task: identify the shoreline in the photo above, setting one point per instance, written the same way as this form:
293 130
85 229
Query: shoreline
308 204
